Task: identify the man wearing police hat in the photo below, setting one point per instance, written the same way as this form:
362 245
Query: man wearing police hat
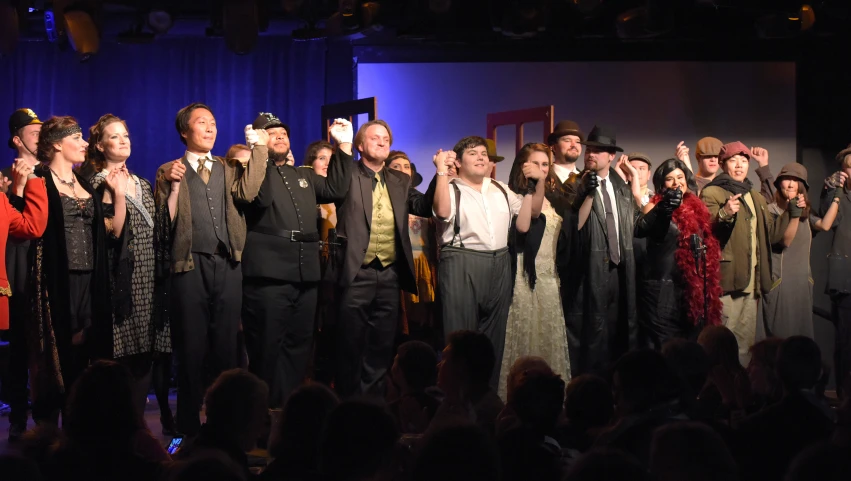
24 127
280 265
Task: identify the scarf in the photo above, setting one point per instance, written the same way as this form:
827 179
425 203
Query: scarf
731 185
692 217
528 244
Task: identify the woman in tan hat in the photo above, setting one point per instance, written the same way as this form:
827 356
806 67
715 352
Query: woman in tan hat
787 309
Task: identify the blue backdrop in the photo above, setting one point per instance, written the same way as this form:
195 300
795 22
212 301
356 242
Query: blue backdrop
146 85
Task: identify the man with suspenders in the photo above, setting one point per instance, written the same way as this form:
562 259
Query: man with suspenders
473 218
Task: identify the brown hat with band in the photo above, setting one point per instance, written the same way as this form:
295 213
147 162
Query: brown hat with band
840 157
565 127
708 146
639 156
491 145
794 170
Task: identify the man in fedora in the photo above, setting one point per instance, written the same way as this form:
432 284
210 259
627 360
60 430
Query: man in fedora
600 313
492 157
566 144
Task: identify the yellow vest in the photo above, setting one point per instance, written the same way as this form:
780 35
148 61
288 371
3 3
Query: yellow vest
382 236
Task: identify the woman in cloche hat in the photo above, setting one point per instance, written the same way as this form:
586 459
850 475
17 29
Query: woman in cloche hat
787 308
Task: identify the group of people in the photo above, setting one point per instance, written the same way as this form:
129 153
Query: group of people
321 266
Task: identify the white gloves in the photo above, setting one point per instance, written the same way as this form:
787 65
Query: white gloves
341 131
250 136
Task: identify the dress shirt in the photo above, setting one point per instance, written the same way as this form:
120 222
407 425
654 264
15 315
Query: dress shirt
611 190
193 160
485 216
563 172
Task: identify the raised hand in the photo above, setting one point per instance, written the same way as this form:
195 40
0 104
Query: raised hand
732 206
20 171
619 168
5 182
671 200
760 155
116 181
176 171
682 152
341 131
440 160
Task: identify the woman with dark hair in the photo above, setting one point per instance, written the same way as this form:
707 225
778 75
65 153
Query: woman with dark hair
787 309
535 321
672 287
72 299
137 336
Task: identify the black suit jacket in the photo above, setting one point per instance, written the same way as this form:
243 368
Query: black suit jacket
354 221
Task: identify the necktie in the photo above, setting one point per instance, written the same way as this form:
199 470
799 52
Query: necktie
203 171
377 181
611 231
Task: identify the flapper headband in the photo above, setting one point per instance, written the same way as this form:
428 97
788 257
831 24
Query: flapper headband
58 135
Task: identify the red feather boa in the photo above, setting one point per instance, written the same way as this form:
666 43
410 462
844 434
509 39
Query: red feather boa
692 217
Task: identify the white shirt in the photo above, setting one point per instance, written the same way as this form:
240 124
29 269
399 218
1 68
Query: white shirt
611 190
193 160
485 216
563 172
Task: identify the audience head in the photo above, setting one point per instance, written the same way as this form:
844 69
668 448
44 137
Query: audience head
538 400
735 160
688 361
588 401
109 141
238 154
302 421
672 174
721 347
468 362
61 138
100 408
373 141
799 363
524 366
359 441
458 453
762 369
642 380
415 367
690 451
237 407
196 126
821 462
206 468
318 156
471 154
607 464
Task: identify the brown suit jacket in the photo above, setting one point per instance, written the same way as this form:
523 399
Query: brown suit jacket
354 221
244 184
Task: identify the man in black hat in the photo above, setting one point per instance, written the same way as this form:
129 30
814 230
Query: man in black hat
600 316
280 265
24 127
566 144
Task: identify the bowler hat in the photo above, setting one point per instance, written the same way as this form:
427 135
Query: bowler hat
794 170
565 127
603 137
20 119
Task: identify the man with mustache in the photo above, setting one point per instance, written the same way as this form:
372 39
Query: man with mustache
746 234
566 144
280 266
200 236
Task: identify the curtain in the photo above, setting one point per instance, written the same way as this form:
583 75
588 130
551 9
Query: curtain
146 84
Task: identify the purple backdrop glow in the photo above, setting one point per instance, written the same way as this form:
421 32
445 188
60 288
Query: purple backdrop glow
652 105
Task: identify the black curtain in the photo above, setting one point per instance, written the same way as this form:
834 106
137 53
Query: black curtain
146 84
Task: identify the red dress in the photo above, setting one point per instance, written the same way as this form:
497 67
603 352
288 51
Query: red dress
27 225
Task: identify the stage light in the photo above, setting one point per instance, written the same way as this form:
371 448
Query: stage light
785 24
160 20
9 28
523 18
655 18
82 32
240 25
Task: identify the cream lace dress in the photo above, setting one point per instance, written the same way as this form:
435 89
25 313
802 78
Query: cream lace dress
535 324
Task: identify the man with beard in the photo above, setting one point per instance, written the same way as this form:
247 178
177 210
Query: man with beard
374 260
280 266
600 313
566 144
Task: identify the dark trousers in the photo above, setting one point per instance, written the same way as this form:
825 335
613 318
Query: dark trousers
367 323
605 339
841 307
15 386
277 321
475 293
207 304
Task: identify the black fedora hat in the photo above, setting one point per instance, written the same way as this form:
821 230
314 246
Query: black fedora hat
565 127
603 137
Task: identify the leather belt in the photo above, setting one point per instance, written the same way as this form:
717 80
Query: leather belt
292 235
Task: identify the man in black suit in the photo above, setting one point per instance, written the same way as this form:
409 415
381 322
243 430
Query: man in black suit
374 262
280 265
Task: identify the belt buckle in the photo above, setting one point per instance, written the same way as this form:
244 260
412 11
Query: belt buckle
292 235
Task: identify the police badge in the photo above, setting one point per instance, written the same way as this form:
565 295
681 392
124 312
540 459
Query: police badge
302 183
